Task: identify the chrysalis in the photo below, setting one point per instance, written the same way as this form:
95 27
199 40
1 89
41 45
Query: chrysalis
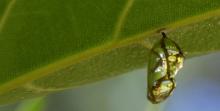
166 59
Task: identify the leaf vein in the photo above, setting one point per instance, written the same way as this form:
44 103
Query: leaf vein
38 89
121 19
6 14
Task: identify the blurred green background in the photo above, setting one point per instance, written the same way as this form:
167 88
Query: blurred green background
197 90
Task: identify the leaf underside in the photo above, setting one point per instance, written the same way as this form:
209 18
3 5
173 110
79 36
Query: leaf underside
45 48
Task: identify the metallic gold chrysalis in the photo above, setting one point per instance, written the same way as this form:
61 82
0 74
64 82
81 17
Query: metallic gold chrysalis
166 59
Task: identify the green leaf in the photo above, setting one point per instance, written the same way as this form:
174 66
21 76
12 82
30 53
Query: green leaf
52 45
37 104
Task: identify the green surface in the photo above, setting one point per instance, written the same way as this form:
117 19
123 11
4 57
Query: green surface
37 104
46 46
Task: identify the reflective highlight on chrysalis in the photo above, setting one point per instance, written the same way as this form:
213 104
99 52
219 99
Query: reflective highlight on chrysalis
166 59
